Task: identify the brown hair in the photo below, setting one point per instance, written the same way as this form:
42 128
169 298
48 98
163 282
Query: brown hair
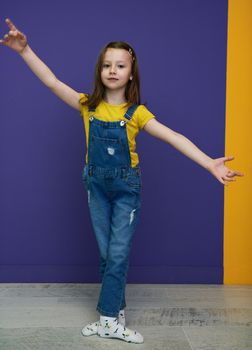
132 91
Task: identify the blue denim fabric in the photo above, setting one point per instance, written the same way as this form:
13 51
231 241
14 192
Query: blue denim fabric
114 200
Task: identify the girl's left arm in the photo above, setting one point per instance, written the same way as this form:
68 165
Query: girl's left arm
215 166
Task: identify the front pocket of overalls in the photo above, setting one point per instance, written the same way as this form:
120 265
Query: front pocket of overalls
107 151
134 181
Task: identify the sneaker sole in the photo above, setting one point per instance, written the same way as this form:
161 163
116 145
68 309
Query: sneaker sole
115 337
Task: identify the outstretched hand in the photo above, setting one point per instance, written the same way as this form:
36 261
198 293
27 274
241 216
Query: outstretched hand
221 172
14 39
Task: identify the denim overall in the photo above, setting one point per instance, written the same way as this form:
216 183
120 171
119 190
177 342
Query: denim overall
114 201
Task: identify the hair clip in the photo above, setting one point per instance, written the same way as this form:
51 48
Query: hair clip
131 53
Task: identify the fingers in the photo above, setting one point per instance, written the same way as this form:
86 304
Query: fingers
239 174
230 173
10 24
222 181
228 178
13 34
6 38
229 158
225 179
234 173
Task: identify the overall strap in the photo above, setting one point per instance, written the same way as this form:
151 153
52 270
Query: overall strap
129 113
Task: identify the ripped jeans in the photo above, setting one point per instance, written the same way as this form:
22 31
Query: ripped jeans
114 200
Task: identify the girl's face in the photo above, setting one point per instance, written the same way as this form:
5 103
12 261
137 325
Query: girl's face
116 68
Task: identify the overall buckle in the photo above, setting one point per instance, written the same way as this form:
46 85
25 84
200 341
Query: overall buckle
122 122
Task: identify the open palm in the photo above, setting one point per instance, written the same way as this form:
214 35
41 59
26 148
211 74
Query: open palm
14 39
221 172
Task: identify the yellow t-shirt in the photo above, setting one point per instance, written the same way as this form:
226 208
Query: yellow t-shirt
110 113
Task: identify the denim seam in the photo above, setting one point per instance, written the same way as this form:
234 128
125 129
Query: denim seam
120 300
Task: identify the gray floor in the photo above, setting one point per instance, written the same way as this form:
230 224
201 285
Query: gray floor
170 317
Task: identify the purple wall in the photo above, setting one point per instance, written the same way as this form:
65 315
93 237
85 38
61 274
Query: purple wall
45 228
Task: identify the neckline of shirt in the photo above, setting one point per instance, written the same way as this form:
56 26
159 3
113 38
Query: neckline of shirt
109 104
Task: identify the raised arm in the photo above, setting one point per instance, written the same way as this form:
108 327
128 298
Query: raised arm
215 166
17 41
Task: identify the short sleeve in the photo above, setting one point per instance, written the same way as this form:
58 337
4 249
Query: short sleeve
83 98
143 116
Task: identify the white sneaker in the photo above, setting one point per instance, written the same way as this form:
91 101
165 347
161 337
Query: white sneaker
109 327
91 328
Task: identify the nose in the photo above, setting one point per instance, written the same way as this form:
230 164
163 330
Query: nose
112 69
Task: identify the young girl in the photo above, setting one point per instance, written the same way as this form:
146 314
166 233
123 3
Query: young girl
113 116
